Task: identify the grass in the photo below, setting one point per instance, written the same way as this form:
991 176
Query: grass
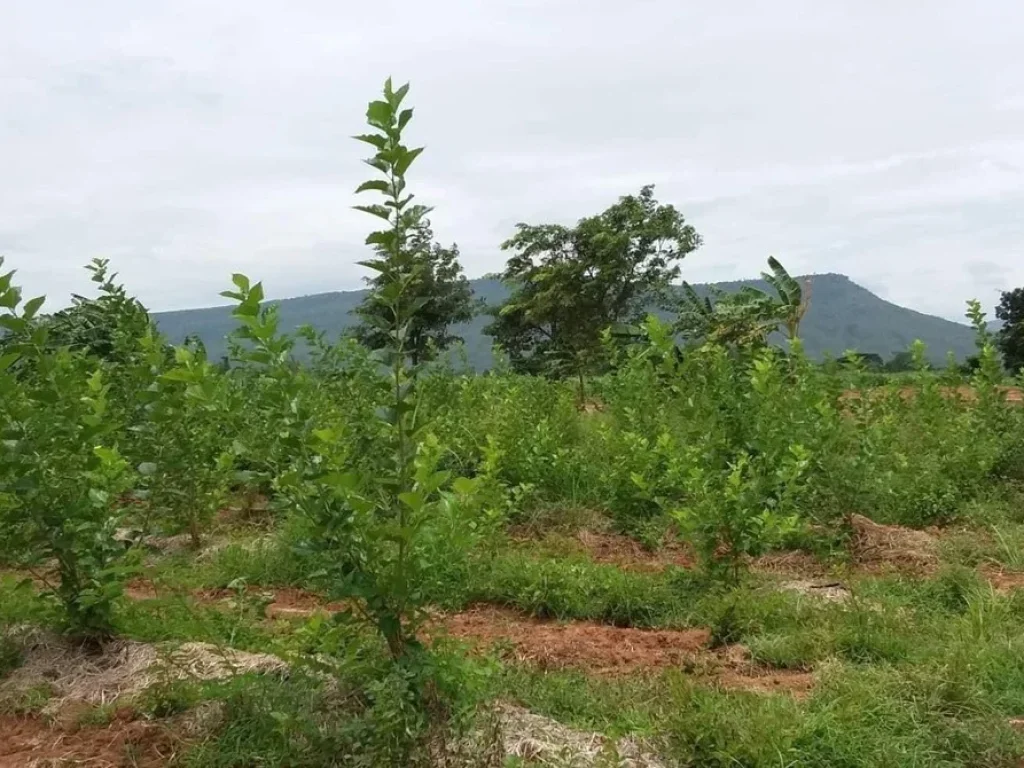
911 670
858 716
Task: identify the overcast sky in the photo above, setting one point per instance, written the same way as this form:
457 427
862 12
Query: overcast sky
190 139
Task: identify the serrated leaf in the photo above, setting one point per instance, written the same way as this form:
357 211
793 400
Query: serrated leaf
404 118
385 239
373 139
375 210
378 185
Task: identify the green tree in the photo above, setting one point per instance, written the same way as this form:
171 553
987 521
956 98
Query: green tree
108 326
1010 338
569 284
439 281
62 476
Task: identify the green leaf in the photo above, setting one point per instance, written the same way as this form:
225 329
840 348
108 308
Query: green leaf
6 361
412 499
10 298
399 96
404 118
241 281
32 306
379 163
377 265
403 163
375 210
325 435
178 374
385 240
379 114
375 139
378 186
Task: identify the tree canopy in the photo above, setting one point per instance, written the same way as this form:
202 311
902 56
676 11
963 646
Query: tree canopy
447 300
571 283
1011 336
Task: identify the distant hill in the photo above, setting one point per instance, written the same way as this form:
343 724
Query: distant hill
842 316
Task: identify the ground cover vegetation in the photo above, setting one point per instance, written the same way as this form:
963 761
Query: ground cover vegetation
633 542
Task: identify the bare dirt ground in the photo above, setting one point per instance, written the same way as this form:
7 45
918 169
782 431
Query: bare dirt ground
599 648
29 742
629 554
606 650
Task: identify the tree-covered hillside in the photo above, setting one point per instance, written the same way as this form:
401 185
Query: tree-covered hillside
842 316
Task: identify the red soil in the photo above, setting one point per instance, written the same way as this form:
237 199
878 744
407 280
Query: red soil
29 741
599 648
606 650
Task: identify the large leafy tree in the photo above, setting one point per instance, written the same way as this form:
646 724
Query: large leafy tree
569 284
1011 336
447 299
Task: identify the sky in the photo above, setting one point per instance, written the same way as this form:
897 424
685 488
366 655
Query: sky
187 140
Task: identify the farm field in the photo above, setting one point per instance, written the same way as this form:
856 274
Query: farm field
659 549
580 621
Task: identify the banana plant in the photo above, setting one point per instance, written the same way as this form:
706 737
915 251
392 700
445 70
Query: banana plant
747 317
793 300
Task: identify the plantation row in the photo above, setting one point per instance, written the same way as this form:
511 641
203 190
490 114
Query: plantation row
391 474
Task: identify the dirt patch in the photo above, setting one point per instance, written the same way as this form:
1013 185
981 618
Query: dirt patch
629 554
539 740
789 681
119 669
293 603
599 648
732 669
280 603
794 564
892 546
606 650
28 742
1004 581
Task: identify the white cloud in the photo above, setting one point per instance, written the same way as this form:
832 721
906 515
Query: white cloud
188 140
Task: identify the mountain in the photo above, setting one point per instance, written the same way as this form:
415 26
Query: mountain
842 316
